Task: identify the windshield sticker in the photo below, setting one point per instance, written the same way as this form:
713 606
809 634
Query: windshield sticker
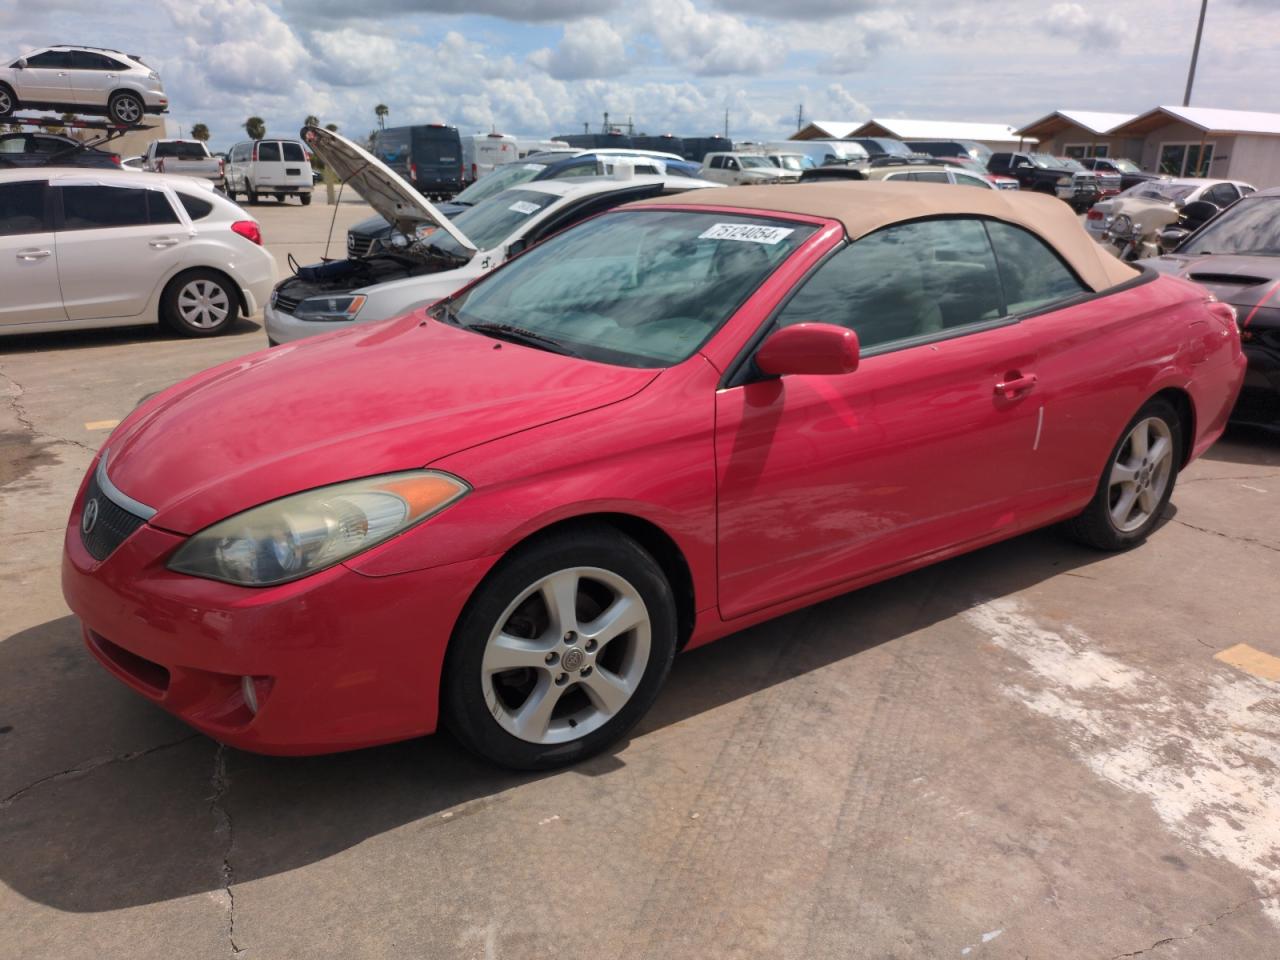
534 166
524 206
749 232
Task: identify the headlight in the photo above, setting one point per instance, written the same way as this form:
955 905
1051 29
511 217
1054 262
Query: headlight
330 309
299 535
1064 181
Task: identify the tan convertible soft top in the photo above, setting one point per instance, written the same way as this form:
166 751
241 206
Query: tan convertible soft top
867 206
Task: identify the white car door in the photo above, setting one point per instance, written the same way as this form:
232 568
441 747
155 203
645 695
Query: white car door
45 78
91 76
28 264
115 246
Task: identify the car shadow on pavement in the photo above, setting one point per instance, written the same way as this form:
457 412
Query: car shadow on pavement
107 337
107 802
1257 446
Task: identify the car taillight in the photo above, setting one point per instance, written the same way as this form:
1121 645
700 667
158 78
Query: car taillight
115 158
473 171
1093 214
249 230
413 171
222 167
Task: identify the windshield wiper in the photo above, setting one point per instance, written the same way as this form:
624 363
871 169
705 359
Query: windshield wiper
530 338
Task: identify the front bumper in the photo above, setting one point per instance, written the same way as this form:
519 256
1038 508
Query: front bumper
155 101
1259 400
286 328
338 660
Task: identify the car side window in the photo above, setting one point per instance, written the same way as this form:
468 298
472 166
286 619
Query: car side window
1223 194
22 207
967 180
196 208
717 163
1032 274
1245 191
293 152
930 176
13 143
50 58
159 209
97 207
84 60
268 150
905 281
730 163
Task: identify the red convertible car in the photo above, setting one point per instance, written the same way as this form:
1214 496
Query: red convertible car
506 512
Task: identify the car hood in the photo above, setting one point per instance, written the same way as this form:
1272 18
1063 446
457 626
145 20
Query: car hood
373 399
1242 281
384 189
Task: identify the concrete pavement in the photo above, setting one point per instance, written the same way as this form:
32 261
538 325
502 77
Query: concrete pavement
1030 751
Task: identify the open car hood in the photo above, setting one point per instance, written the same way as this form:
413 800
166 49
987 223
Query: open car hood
384 189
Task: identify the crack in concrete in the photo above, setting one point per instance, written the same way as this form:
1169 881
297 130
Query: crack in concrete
1228 536
221 784
1255 476
90 765
1197 928
20 413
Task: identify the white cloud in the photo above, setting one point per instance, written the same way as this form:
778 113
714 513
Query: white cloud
711 44
1087 28
588 48
239 45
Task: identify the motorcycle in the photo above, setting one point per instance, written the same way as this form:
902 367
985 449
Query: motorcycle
1149 228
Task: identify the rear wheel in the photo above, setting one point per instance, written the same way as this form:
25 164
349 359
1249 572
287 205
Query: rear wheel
8 102
126 108
305 198
1137 482
250 193
199 303
562 649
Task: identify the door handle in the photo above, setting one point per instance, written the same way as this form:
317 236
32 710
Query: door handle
31 255
1016 385
160 243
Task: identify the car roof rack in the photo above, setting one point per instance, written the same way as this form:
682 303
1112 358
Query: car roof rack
86 46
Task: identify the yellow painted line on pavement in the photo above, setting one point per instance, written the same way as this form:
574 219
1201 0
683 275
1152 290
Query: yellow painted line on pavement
101 424
1252 661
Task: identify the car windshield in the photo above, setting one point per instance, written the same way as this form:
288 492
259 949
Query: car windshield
750 162
636 288
182 151
1159 190
1069 163
792 161
1126 166
507 175
1046 162
489 223
1252 227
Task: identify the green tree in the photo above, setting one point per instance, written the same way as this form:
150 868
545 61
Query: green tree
256 128
200 132
311 121
381 111
331 127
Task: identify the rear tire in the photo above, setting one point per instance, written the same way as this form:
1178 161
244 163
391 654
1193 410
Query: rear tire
305 198
8 100
126 108
1136 483
199 303
250 193
572 632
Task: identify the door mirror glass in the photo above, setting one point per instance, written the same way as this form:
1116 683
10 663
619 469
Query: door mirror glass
817 349
22 63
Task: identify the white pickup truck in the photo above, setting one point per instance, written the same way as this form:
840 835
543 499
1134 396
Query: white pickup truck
744 168
188 157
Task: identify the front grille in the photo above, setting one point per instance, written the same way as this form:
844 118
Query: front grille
358 246
111 526
285 304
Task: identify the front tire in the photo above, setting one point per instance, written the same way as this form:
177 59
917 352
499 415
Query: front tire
199 303
126 108
1137 482
561 650
8 101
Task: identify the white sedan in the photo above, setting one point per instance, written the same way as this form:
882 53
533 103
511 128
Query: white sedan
101 248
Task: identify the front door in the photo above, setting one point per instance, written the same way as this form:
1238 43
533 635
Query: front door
45 78
115 245
926 446
28 264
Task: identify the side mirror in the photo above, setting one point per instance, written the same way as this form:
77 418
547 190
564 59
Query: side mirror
22 63
817 349
1171 237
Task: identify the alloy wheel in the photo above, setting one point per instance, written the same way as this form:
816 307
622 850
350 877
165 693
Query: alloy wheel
127 110
6 102
203 304
566 655
1140 474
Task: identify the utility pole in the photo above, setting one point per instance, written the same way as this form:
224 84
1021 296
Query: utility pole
606 122
726 123
800 117
1195 54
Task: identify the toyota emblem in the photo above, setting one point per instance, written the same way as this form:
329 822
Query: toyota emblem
90 517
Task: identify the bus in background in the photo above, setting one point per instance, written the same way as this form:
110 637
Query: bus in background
596 141
664 143
481 152
695 148
428 155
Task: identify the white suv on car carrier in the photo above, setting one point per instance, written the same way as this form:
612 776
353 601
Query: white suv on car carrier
82 80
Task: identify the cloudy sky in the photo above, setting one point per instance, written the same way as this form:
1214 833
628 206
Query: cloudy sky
543 67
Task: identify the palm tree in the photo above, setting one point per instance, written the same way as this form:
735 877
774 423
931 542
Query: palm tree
256 128
311 121
200 132
381 110
331 127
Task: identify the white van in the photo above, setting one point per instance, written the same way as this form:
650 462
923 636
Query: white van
526 146
481 152
823 152
269 168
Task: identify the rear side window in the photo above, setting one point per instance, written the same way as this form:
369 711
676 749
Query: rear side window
22 208
159 209
293 152
196 208
268 151
13 143
903 282
97 207
931 176
1032 274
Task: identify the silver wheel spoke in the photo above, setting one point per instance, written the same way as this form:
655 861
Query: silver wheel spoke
1160 449
608 692
560 592
624 615
506 652
533 719
1123 473
1124 506
1146 500
1138 441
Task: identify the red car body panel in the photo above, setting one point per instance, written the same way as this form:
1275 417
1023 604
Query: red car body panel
776 493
